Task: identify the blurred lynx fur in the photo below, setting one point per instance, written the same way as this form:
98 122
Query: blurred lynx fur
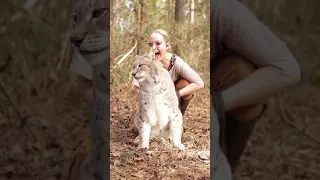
90 39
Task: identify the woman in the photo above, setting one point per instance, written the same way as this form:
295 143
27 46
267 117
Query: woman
249 64
186 80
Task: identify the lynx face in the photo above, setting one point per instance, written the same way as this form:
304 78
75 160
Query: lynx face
144 69
90 26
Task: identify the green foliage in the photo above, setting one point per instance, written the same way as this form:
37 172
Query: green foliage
207 85
314 78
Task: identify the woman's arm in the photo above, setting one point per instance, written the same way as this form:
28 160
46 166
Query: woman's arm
191 88
186 72
246 35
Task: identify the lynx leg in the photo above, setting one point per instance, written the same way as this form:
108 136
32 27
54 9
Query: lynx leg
144 133
136 123
163 124
176 133
86 169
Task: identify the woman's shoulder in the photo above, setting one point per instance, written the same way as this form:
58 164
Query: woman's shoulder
179 63
177 58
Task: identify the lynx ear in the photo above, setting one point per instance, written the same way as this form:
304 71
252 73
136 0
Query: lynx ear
147 56
136 56
157 64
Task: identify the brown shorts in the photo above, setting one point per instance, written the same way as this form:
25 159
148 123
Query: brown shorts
230 70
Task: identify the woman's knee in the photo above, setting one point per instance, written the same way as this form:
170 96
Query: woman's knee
232 69
180 84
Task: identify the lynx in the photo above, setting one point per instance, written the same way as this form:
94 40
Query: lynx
90 32
90 43
159 113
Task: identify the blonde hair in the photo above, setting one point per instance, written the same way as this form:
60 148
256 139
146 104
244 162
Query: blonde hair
165 36
163 33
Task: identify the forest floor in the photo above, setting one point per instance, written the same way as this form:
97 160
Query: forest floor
285 145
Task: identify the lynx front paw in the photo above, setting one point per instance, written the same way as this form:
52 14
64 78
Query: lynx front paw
181 147
137 140
142 148
143 144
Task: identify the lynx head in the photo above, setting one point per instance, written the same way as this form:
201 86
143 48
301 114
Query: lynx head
146 68
90 26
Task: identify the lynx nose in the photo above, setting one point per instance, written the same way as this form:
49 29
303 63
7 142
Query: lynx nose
77 42
133 73
77 38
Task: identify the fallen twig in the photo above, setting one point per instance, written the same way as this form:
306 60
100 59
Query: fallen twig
202 101
22 119
5 64
63 52
118 57
284 117
27 6
125 56
203 52
114 94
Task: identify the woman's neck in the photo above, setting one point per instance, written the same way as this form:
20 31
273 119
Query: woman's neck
166 61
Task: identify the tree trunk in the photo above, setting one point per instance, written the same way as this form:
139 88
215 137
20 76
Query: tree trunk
178 10
139 13
192 12
101 116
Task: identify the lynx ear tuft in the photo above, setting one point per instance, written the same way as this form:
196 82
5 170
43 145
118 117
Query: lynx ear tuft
137 57
146 56
157 64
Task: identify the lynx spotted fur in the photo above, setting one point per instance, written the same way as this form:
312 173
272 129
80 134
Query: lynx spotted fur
159 113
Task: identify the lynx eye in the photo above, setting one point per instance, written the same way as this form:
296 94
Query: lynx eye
98 12
74 16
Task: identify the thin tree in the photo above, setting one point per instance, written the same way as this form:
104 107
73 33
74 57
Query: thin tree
178 11
192 11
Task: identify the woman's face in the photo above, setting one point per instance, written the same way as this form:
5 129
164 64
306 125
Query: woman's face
158 44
